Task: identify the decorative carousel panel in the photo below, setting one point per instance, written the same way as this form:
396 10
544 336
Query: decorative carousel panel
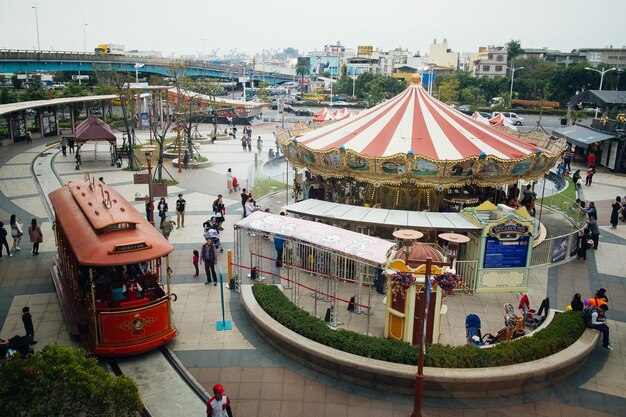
306 155
491 167
522 166
332 160
541 164
460 169
356 162
424 168
292 152
392 166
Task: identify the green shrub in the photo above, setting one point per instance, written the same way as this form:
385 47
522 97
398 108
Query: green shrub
564 330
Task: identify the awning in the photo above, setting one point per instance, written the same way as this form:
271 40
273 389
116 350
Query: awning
581 135
420 220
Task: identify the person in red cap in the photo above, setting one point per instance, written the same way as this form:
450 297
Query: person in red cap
219 405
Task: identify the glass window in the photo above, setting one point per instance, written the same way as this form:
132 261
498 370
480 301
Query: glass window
485 67
498 68
499 57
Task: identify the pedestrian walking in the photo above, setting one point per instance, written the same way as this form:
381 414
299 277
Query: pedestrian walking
64 146
194 261
29 137
16 232
277 147
616 207
219 209
234 132
590 173
583 244
259 145
249 143
162 208
36 237
3 240
244 143
186 160
180 211
229 180
208 256
70 144
591 159
27 319
219 404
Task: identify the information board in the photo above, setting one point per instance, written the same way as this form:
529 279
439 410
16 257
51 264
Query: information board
506 253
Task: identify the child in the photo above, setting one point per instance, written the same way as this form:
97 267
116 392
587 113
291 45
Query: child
196 256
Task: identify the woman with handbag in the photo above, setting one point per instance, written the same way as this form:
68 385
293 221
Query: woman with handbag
219 210
34 232
16 232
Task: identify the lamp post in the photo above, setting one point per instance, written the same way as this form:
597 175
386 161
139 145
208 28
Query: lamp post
37 23
354 82
148 153
513 69
85 36
601 72
137 66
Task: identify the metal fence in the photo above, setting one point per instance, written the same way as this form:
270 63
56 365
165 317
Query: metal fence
467 270
269 185
566 207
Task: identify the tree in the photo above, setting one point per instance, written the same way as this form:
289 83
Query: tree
513 49
63 381
474 97
74 89
119 82
303 68
448 88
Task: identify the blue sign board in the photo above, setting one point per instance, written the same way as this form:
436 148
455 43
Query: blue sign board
250 73
506 253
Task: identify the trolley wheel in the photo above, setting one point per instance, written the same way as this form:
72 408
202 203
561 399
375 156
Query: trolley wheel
175 297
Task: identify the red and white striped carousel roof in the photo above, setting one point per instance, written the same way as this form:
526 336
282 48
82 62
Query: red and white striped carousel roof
414 120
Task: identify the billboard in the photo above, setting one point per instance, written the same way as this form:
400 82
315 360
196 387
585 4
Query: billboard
321 64
364 50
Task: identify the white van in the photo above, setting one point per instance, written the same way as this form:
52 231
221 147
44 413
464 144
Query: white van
513 118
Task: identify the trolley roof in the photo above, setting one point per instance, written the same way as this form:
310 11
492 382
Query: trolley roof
102 228
370 249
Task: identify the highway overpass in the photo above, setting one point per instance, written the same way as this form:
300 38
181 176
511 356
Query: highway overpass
20 61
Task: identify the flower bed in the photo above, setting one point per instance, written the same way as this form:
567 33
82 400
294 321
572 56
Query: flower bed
564 330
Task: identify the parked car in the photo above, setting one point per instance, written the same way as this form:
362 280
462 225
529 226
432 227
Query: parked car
485 114
513 118
303 112
465 108
287 108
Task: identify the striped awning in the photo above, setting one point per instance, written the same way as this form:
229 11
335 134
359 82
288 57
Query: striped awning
415 121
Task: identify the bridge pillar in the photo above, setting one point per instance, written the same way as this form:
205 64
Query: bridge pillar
10 124
40 116
56 119
72 120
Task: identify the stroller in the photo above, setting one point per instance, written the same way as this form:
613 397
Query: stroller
215 237
472 330
17 345
235 184
533 318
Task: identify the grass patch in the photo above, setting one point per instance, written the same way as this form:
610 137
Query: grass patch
564 330
267 186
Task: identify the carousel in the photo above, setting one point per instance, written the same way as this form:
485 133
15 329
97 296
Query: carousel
414 152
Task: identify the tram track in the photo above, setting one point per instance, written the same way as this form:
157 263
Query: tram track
45 184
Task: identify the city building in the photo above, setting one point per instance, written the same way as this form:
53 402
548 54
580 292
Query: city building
615 57
440 55
489 62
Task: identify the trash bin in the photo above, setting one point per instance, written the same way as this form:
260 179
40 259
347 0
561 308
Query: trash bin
563 121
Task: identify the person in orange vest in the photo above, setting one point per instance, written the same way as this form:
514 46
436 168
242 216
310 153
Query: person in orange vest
598 299
132 290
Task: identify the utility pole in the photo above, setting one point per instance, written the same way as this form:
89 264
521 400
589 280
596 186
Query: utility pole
37 23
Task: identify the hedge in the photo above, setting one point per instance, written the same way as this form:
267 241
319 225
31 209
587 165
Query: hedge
563 331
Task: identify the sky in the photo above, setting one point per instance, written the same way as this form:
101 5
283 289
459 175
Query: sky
197 26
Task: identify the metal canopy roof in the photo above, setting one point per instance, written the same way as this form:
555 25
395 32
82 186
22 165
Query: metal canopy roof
379 217
601 98
582 135
15 107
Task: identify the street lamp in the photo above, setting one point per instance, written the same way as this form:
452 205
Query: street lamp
37 23
513 69
137 66
148 149
85 36
601 72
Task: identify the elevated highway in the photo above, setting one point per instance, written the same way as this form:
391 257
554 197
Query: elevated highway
14 61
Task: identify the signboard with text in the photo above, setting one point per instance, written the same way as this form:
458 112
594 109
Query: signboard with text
506 253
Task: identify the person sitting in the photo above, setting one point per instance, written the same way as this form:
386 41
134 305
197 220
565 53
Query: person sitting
513 203
577 303
271 154
132 290
597 321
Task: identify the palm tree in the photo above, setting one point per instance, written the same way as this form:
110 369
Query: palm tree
514 49
303 69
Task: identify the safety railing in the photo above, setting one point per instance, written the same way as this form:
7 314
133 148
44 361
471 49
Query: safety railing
467 270
565 206
555 249
265 186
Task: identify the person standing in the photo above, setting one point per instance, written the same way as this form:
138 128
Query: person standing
615 209
36 237
70 144
64 146
180 211
29 137
244 143
194 260
590 172
279 245
27 319
591 159
219 210
16 232
229 180
219 404
591 210
249 143
208 256
234 131
567 159
259 145
244 199
3 240
162 208
594 231
186 160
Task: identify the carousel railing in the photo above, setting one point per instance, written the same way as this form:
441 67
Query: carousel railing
264 186
565 206
467 271
555 249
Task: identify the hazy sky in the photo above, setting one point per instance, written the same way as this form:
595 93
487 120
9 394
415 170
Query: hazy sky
251 26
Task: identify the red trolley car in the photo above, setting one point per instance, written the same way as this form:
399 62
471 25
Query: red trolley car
108 271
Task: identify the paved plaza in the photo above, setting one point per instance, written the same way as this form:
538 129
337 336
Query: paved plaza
259 380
